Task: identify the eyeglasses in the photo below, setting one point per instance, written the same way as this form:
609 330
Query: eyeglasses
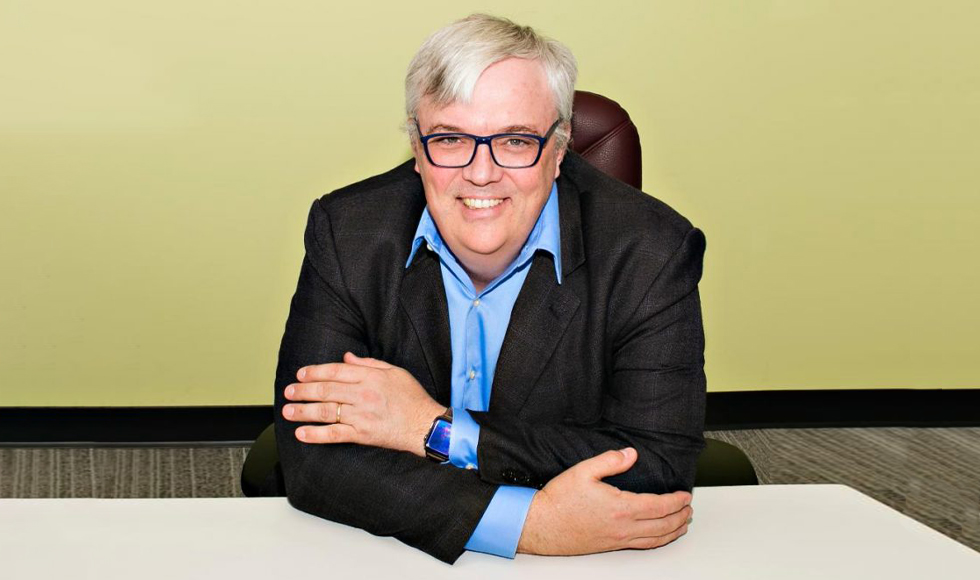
509 150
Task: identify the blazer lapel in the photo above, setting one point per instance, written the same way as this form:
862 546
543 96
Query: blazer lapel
537 323
423 298
543 308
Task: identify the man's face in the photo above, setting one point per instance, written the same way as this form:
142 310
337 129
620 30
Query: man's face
511 96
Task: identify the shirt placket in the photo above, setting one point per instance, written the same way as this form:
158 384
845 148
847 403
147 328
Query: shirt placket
474 388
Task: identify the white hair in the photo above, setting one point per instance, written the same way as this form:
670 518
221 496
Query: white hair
449 63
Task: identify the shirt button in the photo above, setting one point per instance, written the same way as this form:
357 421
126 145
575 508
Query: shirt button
472 375
470 466
476 302
431 249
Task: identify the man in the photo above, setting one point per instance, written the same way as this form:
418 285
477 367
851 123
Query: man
530 322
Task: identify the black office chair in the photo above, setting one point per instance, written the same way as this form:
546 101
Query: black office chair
604 135
262 473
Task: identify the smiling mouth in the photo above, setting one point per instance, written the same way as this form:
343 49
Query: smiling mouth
481 203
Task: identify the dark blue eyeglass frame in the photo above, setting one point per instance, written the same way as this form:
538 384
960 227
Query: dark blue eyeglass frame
478 140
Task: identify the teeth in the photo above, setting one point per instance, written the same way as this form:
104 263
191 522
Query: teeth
474 203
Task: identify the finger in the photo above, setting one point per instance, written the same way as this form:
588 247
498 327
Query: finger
661 526
322 392
653 505
339 372
314 412
339 433
353 359
608 463
656 541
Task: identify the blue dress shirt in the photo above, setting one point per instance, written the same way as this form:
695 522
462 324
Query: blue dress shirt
477 325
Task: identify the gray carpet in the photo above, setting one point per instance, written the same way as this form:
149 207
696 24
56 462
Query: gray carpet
932 475
121 472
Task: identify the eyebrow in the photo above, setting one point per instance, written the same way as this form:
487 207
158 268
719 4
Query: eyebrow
519 129
441 128
445 129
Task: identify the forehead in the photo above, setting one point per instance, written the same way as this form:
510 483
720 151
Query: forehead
512 92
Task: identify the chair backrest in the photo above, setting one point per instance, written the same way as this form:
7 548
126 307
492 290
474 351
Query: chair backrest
604 135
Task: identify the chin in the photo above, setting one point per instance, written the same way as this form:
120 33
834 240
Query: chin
483 247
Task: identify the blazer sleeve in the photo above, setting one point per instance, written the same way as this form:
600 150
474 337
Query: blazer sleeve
653 398
432 507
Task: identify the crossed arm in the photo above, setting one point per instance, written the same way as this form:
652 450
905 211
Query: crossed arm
369 471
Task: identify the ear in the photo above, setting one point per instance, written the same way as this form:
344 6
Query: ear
413 141
558 159
560 156
415 153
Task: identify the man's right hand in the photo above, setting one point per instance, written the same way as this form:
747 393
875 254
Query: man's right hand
576 513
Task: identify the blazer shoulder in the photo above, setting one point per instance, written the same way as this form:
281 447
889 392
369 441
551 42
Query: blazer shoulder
615 214
384 202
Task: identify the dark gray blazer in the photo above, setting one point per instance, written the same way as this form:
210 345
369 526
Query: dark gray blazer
612 357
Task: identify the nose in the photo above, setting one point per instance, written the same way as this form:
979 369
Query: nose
482 170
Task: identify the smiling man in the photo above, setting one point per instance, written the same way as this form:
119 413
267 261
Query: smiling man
494 346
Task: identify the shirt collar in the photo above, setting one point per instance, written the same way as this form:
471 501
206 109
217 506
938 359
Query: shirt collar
545 235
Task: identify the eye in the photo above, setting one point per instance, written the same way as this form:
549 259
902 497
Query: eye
518 142
450 142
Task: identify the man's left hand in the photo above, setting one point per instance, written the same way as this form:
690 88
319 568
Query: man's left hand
379 404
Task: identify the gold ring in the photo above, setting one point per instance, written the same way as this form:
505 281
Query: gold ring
338 413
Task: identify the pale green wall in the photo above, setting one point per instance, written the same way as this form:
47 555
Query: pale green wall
157 162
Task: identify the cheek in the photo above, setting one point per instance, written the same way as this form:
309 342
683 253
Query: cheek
436 189
445 196
440 183
535 191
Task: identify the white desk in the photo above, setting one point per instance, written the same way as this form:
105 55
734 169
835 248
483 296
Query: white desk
779 532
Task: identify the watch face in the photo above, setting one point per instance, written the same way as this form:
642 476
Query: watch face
439 440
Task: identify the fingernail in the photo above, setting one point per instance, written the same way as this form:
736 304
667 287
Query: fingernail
288 412
301 434
289 391
690 521
301 373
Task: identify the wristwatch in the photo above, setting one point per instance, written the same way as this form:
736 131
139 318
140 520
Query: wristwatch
437 440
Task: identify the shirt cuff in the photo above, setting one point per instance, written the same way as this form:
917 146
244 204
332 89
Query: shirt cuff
500 528
463 440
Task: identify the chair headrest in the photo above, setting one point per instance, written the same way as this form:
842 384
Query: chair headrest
604 134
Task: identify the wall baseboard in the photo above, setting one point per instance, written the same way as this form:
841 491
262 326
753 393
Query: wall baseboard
843 408
132 426
240 425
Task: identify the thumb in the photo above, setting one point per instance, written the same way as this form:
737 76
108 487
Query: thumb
608 463
353 359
